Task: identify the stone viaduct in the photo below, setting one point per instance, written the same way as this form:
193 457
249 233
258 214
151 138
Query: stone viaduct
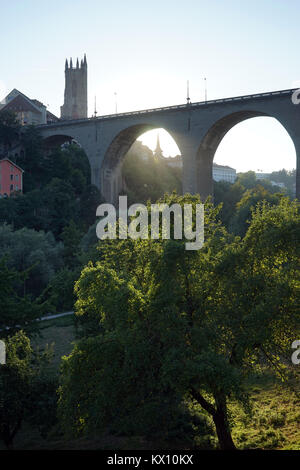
197 128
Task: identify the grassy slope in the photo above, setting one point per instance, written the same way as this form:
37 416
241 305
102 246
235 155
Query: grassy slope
60 333
275 423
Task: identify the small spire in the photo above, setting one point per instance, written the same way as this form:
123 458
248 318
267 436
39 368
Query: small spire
84 60
95 112
158 148
188 99
77 64
66 64
71 64
158 151
81 63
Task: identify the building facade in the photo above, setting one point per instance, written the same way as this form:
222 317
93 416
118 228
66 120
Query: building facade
28 111
11 177
75 97
224 173
267 176
174 162
220 172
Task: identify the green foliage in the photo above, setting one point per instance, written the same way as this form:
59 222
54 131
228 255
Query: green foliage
240 220
56 188
247 179
60 291
35 252
17 310
162 322
71 237
89 201
9 128
32 158
239 198
148 179
21 380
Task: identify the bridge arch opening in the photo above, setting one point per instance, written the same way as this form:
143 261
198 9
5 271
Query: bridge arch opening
244 141
58 140
139 163
65 156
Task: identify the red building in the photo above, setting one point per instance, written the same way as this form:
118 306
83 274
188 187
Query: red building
11 177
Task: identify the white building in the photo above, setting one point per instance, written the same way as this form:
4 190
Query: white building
220 172
262 176
175 162
224 173
266 176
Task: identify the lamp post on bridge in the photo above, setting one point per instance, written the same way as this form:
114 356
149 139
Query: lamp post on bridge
115 93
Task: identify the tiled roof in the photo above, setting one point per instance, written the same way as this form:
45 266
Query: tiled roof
12 163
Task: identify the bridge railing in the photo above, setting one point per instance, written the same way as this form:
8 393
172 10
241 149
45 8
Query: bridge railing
175 107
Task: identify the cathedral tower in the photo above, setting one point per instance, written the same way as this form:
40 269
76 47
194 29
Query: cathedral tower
75 100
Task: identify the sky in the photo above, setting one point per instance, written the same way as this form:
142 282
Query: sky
141 54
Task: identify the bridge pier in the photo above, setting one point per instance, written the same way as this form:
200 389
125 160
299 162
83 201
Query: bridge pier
297 147
205 184
197 171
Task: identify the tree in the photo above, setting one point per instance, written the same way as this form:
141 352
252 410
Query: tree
61 205
71 237
164 323
228 195
20 378
240 220
148 178
32 158
247 179
17 310
9 128
35 252
89 201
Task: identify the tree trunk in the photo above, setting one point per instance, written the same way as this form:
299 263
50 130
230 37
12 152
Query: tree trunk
219 415
223 430
8 435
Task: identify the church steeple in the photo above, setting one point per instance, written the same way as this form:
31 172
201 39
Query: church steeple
158 151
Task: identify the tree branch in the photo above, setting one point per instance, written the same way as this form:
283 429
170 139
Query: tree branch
201 400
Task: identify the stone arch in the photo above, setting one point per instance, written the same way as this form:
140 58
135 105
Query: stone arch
111 177
211 141
58 140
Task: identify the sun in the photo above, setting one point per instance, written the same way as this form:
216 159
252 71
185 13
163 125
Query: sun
167 143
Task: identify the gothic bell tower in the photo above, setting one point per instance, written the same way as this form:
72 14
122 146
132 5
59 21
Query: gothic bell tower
75 98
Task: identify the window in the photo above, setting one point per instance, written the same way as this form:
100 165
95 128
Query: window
11 177
11 187
17 177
